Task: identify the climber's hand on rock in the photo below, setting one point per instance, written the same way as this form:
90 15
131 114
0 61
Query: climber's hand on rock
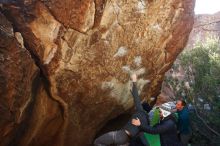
134 77
136 122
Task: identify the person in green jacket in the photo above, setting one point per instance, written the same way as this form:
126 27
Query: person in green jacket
166 128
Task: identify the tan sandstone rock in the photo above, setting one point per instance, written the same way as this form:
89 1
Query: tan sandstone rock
17 80
86 51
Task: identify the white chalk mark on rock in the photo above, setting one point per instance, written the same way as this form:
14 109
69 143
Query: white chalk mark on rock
122 51
141 6
107 85
140 71
126 69
138 60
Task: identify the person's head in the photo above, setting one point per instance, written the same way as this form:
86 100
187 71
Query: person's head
180 104
166 109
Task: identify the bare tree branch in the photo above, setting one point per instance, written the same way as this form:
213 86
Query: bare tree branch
218 21
196 111
203 121
205 29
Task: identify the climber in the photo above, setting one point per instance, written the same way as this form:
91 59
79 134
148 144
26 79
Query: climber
123 136
166 128
152 139
183 125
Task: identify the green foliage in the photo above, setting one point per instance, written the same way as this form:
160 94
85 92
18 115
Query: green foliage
201 66
202 63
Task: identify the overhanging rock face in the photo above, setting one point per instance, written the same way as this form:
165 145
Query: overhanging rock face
85 51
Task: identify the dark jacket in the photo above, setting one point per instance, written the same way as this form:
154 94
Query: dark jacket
167 130
139 140
140 113
183 125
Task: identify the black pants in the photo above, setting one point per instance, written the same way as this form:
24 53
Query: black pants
136 142
139 140
184 138
119 137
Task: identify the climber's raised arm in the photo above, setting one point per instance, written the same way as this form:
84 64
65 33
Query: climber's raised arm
134 92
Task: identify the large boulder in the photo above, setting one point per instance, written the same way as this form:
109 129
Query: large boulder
85 51
18 77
